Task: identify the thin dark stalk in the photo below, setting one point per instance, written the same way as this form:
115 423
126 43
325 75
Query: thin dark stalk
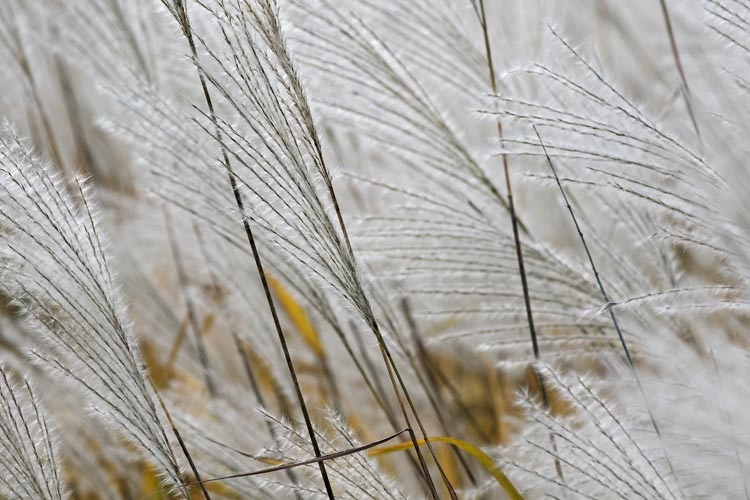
586 248
246 365
330 456
277 325
393 370
379 394
612 315
389 364
374 326
678 64
385 351
516 237
511 204
512 209
182 445
182 17
261 401
371 380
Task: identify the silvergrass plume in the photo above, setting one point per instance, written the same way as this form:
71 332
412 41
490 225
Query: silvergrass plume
399 166
179 10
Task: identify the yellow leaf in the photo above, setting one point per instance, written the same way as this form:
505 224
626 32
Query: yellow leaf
269 460
150 484
469 448
298 316
221 489
448 462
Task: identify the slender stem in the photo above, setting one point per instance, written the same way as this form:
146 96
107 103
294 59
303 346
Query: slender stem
182 443
516 237
678 64
330 456
390 366
603 292
385 351
244 357
181 10
511 204
512 209
380 396
387 358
